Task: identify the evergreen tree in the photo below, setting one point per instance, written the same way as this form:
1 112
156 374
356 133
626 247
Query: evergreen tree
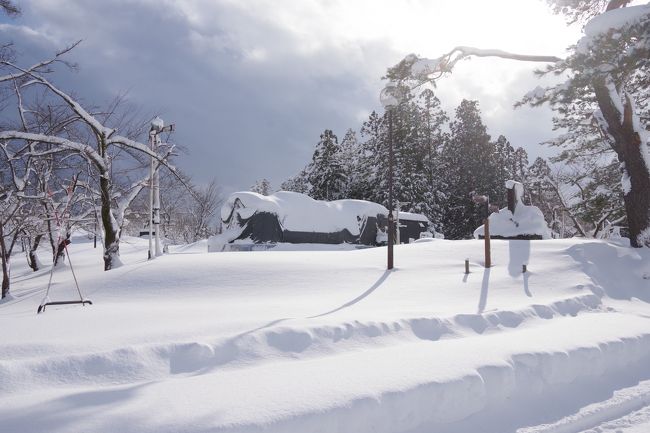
508 163
373 161
298 183
602 105
351 161
433 118
262 187
417 172
326 172
542 190
469 163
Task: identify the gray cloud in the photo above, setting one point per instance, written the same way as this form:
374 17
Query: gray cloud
249 88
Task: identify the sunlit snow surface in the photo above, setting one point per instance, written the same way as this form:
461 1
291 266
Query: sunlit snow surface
329 341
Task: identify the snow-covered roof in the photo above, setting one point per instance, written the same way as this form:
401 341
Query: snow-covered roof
413 217
299 212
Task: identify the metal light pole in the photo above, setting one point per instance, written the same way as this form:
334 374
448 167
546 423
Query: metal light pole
157 126
390 98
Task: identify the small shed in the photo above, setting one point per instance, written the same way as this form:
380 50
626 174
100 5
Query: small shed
412 225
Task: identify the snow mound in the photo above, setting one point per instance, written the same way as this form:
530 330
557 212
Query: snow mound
526 221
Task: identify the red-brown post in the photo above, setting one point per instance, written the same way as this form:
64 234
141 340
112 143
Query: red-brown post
488 258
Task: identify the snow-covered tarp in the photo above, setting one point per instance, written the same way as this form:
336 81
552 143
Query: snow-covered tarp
299 212
285 215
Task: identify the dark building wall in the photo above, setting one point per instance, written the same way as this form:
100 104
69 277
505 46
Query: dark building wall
411 229
264 227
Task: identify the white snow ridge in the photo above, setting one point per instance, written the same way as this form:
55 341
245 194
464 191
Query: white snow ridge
329 341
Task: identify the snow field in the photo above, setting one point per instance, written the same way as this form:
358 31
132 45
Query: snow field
628 408
326 341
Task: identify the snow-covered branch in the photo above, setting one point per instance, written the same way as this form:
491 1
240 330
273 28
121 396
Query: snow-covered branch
36 67
82 149
422 70
88 118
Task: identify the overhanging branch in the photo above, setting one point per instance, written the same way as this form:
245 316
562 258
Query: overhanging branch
422 70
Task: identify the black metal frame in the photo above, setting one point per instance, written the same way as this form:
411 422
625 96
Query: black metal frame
83 302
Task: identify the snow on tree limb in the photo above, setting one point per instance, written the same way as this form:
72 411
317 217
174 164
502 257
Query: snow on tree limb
88 118
38 66
125 200
422 70
65 144
162 160
127 142
477 52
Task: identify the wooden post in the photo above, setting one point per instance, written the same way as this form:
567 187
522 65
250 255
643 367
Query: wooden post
488 258
511 199
523 269
467 266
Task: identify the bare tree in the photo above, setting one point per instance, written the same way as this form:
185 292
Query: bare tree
92 141
203 210
9 7
185 218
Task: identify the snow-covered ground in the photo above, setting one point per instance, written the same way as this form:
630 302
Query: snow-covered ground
329 341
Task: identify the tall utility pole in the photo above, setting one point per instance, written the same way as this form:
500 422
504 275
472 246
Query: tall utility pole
157 126
391 219
390 97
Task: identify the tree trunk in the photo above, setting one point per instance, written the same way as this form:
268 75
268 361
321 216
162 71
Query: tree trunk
5 263
59 255
48 221
637 199
32 257
111 234
628 146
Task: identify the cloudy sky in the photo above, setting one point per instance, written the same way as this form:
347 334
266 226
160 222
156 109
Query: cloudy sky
251 84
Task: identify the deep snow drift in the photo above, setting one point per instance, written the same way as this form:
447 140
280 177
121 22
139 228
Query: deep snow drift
329 341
